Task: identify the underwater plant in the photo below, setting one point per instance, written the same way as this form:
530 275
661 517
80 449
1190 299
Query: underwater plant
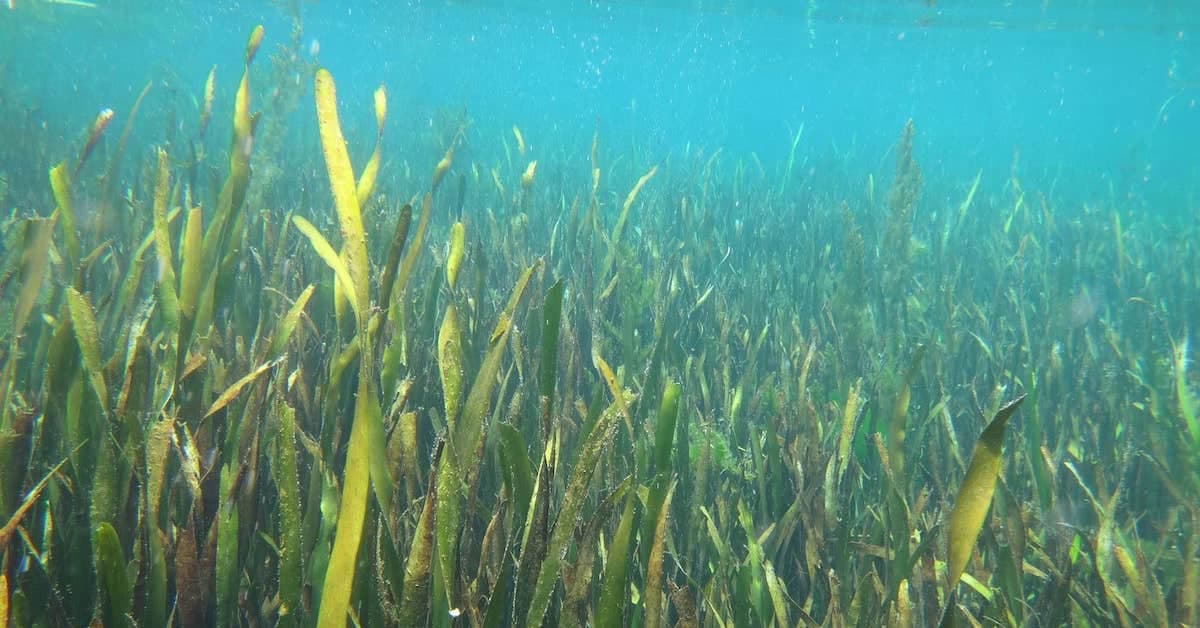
578 390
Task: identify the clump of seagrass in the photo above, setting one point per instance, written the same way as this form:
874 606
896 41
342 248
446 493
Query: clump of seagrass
288 62
850 300
896 248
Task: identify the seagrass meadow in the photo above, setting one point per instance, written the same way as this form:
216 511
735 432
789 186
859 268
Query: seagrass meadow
315 374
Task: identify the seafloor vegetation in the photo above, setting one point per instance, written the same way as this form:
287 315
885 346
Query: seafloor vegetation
474 383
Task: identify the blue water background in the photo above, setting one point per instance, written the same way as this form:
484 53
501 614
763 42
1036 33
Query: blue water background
1099 98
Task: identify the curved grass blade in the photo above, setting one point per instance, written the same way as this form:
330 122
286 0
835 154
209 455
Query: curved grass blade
452 468
32 272
778 593
443 165
534 537
155 613
206 110
414 603
366 180
399 237
413 252
328 255
791 161
108 184
846 435
243 122
117 601
447 519
975 494
1189 407
899 423
365 457
568 514
168 297
233 190
60 185
158 445
614 587
31 498
654 569
469 431
517 470
288 323
133 278
227 569
287 483
450 364
191 262
455 257
614 388
36 235
548 367
352 512
500 600
575 607
622 218
232 392
664 435
345 196
629 200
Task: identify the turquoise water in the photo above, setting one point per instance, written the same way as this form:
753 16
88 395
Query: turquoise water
1100 97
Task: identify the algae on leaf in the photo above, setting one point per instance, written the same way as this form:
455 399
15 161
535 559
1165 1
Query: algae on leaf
83 321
